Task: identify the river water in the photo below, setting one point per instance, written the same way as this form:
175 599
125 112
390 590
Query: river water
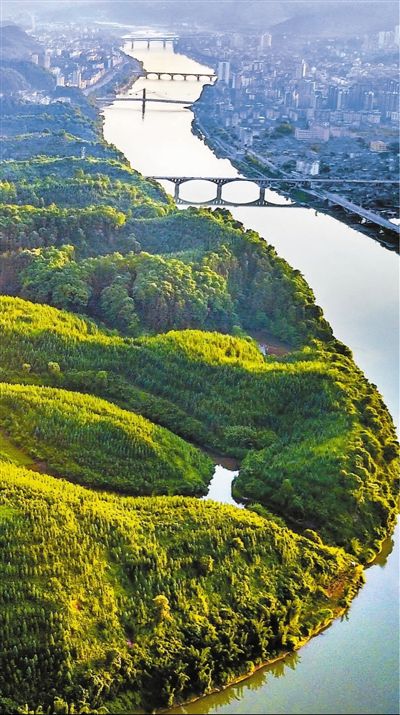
353 667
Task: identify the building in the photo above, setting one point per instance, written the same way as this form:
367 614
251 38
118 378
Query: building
301 69
224 69
47 59
237 41
377 146
265 41
311 168
76 78
338 98
316 133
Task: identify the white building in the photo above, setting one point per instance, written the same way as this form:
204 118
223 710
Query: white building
76 78
224 70
311 168
47 59
315 133
265 41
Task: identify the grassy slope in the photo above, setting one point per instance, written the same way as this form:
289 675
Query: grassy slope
319 442
95 443
159 597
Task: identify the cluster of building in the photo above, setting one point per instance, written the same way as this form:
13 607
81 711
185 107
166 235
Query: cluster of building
79 58
306 106
317 97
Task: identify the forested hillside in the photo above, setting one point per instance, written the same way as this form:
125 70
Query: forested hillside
320 445
127 333
139 602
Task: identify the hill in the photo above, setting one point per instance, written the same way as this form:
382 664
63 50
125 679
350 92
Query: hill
315 17
16 44
319 446
92 442
135 603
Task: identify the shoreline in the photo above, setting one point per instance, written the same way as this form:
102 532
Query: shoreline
357 583
359 578
244 166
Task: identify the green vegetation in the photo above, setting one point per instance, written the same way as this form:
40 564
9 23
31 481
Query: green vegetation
112 600
128 356
95 443
319 445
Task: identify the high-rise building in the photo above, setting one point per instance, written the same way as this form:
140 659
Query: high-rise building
356 96
301 69
224 69
47 59
35 59
385 38
397 35
76 78
369 101
338 98
265 41
237 41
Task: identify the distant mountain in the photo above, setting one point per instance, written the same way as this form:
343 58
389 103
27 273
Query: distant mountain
341 18
17 72
306 17
15 44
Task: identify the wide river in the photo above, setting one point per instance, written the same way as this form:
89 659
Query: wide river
353 667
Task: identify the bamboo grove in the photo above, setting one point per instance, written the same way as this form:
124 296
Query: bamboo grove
126 353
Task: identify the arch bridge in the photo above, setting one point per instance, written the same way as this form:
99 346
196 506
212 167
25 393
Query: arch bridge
317 186
154 74
220 182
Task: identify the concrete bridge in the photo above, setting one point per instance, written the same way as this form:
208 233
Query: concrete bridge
275 184
153 74
220 182
151 39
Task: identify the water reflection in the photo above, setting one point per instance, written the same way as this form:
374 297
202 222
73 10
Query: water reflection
353 666
220 489
235 693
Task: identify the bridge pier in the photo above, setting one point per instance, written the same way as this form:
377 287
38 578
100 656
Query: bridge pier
261 197
219 193
176 190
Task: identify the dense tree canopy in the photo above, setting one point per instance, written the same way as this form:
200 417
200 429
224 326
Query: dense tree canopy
141 602
135 354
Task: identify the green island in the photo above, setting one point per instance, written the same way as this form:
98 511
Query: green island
129 348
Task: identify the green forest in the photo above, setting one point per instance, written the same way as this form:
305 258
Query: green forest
129 337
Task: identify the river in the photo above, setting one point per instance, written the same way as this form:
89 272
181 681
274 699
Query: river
353 666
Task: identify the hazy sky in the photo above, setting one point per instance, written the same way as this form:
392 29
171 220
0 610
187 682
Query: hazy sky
343 16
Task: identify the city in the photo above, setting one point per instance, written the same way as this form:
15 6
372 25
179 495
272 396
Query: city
328 109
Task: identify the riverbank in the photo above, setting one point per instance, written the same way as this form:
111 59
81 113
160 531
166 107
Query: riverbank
252 165
370 623
353 585
340 612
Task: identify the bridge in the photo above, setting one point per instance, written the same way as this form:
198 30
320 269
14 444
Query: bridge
154 74
101 100
275 184
151 39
